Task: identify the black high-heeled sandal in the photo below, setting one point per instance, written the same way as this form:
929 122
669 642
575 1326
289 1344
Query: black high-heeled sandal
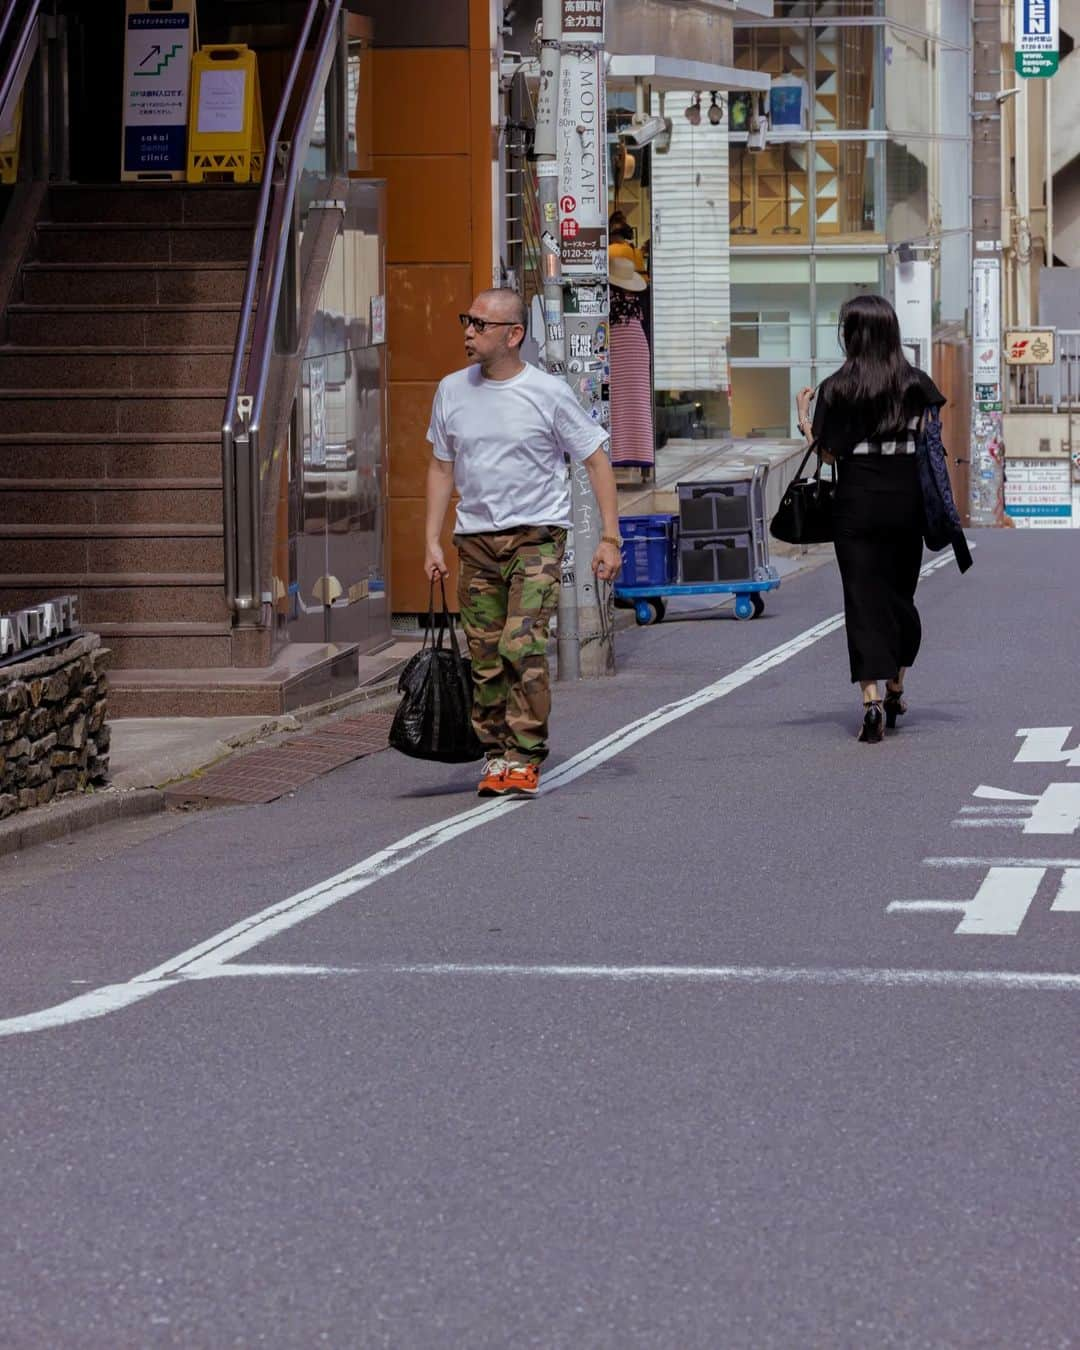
873 724
894 706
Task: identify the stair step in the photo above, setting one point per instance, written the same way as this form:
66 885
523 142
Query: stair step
103 411
133 242
111 530
109 484
131 326
56 501
83 550
146 203
60 583
166 646
197 600
132 283
117 459
161 368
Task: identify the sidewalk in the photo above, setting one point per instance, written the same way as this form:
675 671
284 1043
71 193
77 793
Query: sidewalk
177 761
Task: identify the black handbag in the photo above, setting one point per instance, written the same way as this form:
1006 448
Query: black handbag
434 717
805 513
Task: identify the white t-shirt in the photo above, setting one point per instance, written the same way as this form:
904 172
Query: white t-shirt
507 440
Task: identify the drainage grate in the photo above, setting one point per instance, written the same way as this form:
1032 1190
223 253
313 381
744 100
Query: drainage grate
264 775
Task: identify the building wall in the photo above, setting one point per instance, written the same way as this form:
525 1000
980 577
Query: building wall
432 143
882 157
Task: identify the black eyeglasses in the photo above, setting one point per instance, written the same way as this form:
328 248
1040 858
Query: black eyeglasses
480 325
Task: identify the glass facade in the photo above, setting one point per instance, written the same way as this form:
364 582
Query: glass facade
868 147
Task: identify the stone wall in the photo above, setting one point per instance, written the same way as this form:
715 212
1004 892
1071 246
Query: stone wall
54 737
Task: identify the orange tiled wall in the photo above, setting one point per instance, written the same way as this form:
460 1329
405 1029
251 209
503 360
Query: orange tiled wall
437 239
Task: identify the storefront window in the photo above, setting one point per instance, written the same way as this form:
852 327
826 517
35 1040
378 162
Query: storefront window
846 204
770 193
763 399
908 167
844 78
910 103
879 155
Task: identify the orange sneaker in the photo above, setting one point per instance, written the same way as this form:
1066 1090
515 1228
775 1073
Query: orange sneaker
492 784
521 780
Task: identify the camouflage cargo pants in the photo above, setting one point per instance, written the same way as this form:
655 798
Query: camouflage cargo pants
508 589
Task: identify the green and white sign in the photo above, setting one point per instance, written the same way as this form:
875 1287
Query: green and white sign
1036 37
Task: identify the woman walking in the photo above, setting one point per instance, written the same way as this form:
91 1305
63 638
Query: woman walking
866 420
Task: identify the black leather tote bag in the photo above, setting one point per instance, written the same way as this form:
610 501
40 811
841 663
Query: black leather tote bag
434 717
805 512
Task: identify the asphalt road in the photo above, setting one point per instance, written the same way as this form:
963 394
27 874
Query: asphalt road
742 1035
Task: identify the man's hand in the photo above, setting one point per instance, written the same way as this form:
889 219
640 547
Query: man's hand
606 562
434 563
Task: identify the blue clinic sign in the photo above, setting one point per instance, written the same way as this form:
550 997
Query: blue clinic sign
157 71
1036 37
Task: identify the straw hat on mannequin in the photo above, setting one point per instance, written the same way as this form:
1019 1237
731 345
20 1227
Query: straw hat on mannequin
622 273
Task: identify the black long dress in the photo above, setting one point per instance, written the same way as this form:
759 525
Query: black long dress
878 524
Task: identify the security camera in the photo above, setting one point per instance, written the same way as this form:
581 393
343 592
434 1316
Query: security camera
757 135
643 130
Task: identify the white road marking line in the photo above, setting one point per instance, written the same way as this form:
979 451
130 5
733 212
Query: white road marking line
861 975
926 907
999 823
206 958
997 794
1057 811
1001 862
1067 900
1046 745
1013 812
999 908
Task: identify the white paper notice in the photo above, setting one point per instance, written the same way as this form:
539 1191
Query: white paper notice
221 101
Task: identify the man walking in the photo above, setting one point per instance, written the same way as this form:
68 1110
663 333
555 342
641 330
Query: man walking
500 431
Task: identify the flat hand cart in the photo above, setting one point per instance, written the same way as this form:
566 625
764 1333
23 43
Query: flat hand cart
650 607
717 545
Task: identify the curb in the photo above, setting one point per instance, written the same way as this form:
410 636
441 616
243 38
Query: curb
70 815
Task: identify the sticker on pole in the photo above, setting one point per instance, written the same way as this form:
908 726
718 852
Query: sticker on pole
1036 38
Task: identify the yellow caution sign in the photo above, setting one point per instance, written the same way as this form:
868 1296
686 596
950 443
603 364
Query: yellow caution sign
9 146
225 136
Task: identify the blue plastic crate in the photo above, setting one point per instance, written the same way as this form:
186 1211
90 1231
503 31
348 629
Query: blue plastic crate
649 551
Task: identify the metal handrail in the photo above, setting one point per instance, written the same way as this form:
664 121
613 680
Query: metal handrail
6 17
269 252
16 69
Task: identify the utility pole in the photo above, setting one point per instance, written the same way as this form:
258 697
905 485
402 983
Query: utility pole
571 151
987 494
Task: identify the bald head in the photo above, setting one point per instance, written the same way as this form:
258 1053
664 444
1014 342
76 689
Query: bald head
508 305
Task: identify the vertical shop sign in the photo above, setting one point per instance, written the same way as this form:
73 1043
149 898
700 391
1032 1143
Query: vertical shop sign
987 449
158 45
583 20
986 329
1036 38
582 145
581 156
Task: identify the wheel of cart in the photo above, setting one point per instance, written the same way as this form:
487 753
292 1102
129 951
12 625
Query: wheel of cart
649 609
758 601
744 606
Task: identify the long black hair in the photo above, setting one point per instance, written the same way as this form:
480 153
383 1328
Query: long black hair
876 377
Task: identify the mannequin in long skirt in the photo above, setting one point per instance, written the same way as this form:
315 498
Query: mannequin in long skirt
632 444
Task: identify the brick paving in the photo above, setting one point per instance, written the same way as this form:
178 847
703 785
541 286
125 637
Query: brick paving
263 775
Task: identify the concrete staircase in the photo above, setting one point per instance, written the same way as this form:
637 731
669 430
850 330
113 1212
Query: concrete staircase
113 376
